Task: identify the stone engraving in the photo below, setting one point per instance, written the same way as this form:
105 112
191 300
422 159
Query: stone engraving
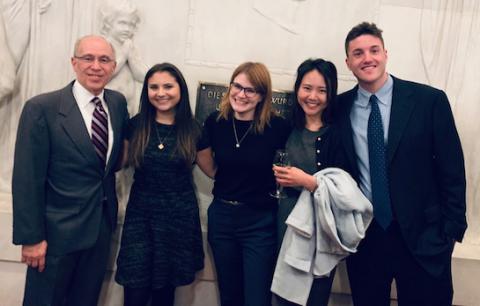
7 66
119 20
40 35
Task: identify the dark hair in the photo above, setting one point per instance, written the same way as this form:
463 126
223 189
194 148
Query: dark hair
188 130
364 28
259 76
329 72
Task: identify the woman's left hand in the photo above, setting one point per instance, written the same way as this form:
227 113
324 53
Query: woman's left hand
293 177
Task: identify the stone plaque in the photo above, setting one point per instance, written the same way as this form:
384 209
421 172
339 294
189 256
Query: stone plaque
209 96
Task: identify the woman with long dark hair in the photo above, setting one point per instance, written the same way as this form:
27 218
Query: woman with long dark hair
161 244
311 147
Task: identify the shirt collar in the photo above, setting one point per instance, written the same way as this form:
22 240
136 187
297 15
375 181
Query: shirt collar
84 96
382 94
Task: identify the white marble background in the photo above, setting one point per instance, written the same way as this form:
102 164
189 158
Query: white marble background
430 41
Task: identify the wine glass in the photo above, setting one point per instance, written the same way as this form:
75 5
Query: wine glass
280 160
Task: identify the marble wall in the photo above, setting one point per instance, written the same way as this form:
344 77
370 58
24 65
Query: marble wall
430 41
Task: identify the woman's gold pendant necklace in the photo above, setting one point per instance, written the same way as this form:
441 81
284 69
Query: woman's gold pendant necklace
161 141
238 142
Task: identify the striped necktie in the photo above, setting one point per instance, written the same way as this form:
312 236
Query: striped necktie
100 131
378 169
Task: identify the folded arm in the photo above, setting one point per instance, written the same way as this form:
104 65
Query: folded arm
206 162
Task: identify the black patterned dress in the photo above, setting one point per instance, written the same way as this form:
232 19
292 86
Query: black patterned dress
161 240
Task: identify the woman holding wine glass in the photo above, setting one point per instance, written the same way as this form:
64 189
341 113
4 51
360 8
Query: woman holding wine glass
243 137
311 147
281 160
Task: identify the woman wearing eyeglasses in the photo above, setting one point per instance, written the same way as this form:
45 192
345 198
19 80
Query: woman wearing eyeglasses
243 137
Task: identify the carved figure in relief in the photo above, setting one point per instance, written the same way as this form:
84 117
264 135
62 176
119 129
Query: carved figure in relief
7 65
119 20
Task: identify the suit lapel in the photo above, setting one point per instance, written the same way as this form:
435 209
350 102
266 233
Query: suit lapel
74 125
346 129
116 127
402 106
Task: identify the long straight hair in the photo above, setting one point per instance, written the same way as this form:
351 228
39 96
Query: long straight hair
258 75
329 72
188 130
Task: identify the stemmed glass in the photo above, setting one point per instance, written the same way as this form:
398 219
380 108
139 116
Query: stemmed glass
281 160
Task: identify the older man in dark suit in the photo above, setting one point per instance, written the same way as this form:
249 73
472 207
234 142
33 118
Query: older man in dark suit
64 201
405 153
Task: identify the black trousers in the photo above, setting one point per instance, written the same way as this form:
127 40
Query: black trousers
319 293
74 279
243 240
383 256
141 296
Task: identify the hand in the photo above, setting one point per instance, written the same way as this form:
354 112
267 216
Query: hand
34 255
128 45
293 177
43 6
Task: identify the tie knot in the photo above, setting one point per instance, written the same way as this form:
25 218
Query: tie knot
373 99
96 101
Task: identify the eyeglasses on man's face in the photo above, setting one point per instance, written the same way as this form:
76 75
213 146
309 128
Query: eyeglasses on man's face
90 59
237 88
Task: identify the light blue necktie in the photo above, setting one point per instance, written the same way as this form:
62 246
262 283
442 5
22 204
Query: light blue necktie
378 170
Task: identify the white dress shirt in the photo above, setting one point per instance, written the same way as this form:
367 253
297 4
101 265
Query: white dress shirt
84 98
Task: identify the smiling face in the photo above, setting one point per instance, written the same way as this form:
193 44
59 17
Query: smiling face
163 93
367 59
122 28
243 106
93 75
312 95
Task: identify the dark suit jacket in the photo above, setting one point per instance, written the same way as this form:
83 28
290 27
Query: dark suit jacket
425 169
60 191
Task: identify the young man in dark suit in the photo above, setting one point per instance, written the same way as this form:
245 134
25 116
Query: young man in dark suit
405 153
64 201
